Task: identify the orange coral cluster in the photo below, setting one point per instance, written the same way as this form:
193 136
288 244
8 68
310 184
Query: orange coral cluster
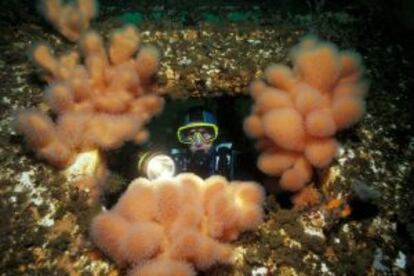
298 111
307 197
99 104
169 226
71 20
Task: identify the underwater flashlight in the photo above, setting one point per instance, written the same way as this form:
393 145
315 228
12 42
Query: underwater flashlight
157 165
86 163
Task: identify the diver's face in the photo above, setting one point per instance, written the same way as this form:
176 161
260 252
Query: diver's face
201 140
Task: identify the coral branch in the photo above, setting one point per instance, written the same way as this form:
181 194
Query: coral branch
167 226
71 20
297 112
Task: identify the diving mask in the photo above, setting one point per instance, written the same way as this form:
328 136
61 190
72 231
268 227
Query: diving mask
197 132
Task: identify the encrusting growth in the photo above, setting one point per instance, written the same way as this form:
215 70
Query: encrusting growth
99 104
171 226
298 111
71 20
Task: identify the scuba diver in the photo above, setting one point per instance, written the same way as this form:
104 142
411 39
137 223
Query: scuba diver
201 154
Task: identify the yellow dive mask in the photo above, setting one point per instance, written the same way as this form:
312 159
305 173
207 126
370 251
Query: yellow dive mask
197 132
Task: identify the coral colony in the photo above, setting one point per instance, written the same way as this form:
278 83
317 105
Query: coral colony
167 226
298 111
99 104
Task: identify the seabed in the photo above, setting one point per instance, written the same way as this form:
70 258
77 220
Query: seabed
44 218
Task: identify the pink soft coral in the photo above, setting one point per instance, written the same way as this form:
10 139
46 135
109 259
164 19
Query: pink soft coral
99 104
169 226
298 111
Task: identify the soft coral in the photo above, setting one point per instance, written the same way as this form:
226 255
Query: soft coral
298 111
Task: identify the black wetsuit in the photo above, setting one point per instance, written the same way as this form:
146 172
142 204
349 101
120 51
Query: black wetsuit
218 160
